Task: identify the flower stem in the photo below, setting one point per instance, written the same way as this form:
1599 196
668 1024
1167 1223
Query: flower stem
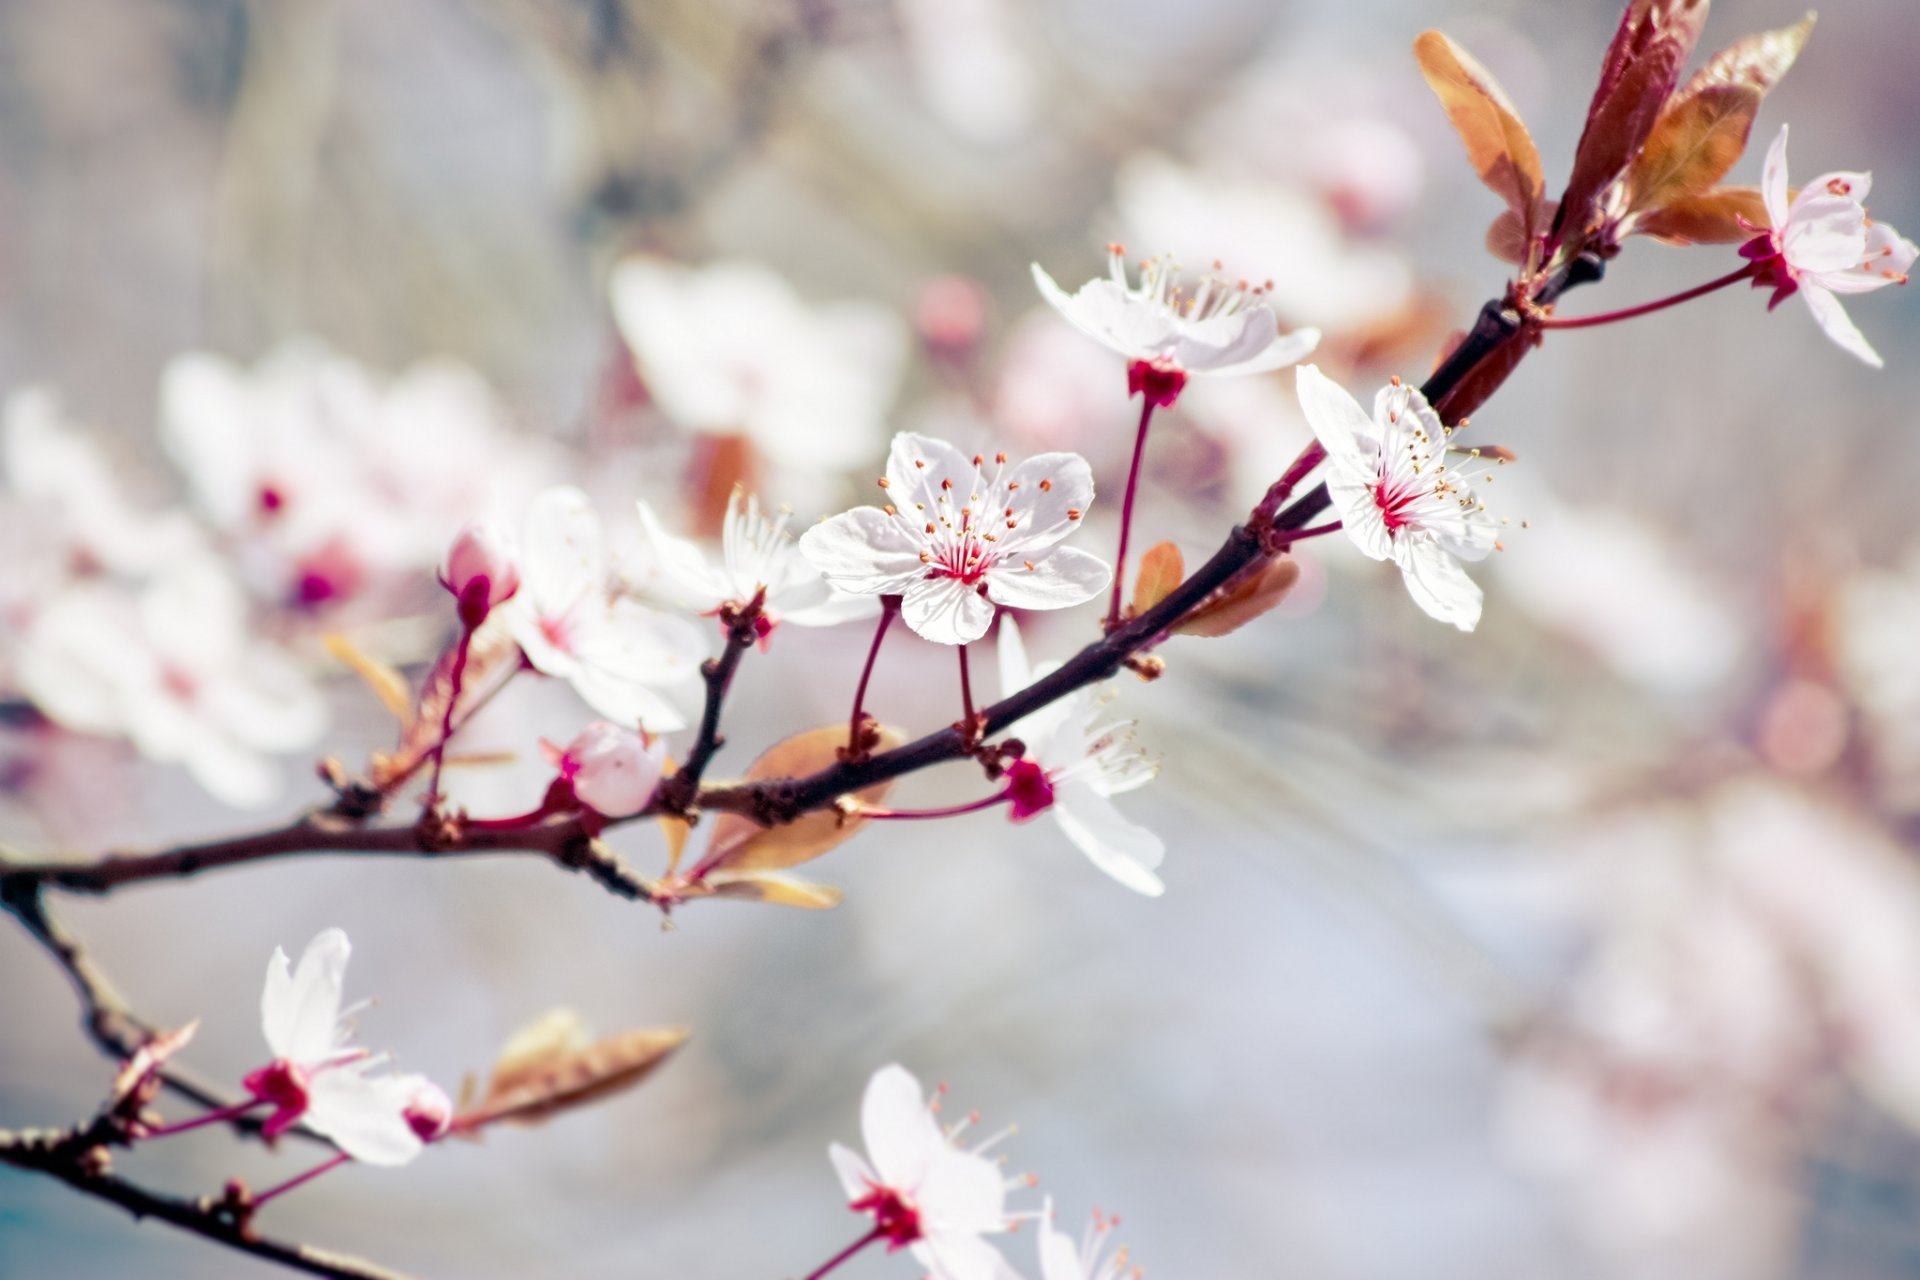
1317 530
951 811
1126 513
889 605
262 1197
1647 308
844 1254
446 720
217 1116
966 691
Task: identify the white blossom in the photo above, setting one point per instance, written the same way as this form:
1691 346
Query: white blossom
1074 765
756 554
1822 243
175 670
318 1079
731 349
1398 495
1216 329
926 1193
573 624
960 535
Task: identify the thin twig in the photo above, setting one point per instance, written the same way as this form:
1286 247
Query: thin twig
67 1155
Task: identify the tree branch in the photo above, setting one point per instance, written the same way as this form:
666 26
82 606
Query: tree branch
72 1156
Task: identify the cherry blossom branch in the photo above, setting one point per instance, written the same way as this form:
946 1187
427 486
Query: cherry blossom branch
79 1158
1504 332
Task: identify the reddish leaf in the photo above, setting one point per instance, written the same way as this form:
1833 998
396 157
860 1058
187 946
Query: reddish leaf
1642 66
1704 129
1227 611
1498 144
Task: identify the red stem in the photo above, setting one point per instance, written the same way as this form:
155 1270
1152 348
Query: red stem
966 692
211 1117
844 1254
951 811
1314 532
446 721
1126 513
1647 308
262 1197
889 605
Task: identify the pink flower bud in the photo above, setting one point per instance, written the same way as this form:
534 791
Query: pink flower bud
430 1114
613 770
483 570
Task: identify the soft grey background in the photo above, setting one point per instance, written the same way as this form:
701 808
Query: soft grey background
1285 1067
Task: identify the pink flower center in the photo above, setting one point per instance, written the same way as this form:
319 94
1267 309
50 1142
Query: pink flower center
1029 790
271 499
897 1221
285 1086
1393 502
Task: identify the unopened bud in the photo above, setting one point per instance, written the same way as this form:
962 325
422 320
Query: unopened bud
483 570
613 770
430 1114
1029 789
1160 382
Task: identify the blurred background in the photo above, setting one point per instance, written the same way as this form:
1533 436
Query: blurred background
1586 945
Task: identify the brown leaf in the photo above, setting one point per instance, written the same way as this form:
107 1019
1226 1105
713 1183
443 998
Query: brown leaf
675 828
772 887
553 1064
1228 611
1161 570
741 844
148 1060
1712 217
1642 66
1498 144
387 684
1703 131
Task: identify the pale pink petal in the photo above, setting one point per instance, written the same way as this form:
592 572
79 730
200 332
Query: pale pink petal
566 558
1050 488
1291 348
1773 180
1343 428
1354 493
960 1257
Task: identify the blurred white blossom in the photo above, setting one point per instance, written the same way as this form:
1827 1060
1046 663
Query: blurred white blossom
574 623
173 668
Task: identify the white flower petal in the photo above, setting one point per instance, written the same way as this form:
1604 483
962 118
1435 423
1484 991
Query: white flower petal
685 577
300 1012
1059 1255
856 1175
903 1139
1290 348
1343 428
962 1192
864 551
960 1257
1837 325
366 1116
1122 849
566 558
1045 490
946 611
1356 497
1062 578
1773 180
1438 583
1010 653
